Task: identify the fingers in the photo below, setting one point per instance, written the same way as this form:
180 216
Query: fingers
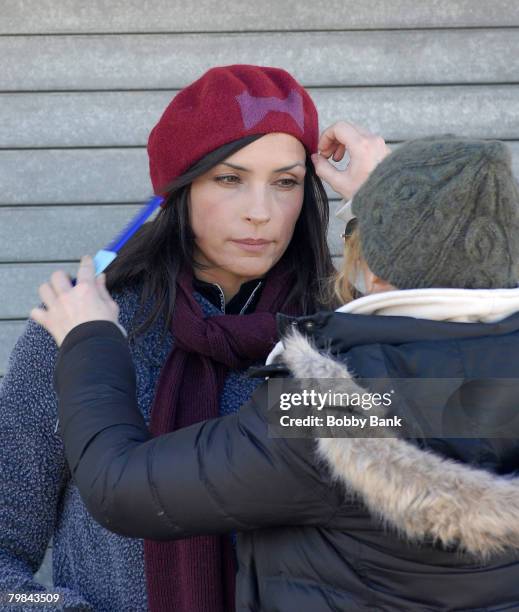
47 295
101 287
362 131
65 306
340 133
339 153
39 315
365 150
86 270
346 136
60 282
328 172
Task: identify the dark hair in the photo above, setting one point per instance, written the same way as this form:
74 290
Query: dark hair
158 250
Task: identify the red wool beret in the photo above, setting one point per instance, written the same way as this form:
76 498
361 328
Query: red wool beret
225 104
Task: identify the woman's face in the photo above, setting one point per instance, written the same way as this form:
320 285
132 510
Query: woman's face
244 210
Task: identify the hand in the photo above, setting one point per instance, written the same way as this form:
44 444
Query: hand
366 151
68 306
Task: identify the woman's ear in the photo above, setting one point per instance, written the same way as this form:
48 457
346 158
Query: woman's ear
373 283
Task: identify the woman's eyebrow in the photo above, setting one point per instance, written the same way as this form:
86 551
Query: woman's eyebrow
284 169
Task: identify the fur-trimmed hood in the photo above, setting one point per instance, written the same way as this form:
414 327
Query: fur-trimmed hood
417 492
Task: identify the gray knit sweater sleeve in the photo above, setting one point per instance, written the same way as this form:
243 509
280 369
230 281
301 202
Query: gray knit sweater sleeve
32 464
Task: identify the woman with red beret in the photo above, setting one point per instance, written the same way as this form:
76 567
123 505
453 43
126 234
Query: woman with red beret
241 236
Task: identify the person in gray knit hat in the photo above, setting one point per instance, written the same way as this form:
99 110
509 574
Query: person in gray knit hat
441 212
431 243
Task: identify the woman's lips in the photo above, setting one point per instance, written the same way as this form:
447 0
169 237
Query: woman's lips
252 245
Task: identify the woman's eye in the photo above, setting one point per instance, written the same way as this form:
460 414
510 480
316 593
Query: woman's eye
232 179
287 182
227 179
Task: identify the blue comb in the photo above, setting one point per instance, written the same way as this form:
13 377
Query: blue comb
104 257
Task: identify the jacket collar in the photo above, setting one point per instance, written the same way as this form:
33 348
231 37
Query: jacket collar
440 304
408 315
243 302
339 331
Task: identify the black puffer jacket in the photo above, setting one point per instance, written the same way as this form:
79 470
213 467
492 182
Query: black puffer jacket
450 537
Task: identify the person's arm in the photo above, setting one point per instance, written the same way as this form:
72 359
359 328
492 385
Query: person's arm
32 466
212 477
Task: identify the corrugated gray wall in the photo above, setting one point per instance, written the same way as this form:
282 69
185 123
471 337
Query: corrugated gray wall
81 84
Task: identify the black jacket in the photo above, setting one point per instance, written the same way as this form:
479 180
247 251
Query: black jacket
338 524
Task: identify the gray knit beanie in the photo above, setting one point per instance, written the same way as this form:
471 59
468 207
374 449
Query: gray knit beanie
442 212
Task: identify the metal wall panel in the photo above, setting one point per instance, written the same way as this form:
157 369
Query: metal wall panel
62 16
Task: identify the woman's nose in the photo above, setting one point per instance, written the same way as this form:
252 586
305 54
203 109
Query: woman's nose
258 210
259 206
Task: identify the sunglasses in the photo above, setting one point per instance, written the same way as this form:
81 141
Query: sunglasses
349 229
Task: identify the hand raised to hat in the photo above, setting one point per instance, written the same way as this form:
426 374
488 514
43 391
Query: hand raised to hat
68 306
366 151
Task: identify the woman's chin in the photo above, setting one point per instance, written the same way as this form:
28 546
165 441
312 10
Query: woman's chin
252 267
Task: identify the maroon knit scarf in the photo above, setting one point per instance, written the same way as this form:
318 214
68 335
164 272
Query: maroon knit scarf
198 574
